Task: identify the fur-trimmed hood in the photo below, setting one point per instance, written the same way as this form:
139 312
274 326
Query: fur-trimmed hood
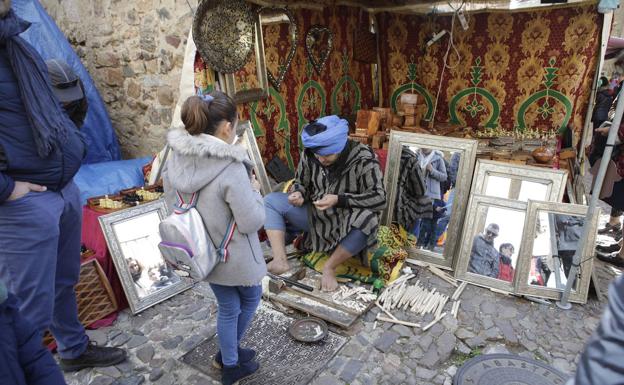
197 160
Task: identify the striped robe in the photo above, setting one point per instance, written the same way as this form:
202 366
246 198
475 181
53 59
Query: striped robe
357 180
411 202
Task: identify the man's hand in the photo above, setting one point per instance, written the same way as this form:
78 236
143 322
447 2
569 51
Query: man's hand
23 188
296 198
254 183
429 167
329 200
603 130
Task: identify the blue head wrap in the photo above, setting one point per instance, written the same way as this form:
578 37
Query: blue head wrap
326 136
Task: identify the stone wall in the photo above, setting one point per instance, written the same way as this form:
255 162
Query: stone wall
134 51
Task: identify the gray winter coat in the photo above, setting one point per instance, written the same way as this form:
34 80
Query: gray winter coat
221 174
483 258
435 176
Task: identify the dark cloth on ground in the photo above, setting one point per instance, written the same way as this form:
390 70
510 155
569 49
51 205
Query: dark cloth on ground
483 258
355 177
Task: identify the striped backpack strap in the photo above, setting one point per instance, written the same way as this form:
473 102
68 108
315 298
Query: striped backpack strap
183 206
229 234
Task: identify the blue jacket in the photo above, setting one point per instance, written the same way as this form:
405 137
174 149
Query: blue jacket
22 162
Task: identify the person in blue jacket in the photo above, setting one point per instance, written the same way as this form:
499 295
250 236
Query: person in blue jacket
40 211
23 360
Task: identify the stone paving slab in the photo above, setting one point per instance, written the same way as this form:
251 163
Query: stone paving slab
376 352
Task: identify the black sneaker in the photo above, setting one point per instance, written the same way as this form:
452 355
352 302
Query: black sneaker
244 355
94 356
232 374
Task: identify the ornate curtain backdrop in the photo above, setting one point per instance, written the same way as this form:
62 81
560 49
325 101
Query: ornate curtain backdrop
518 71
343 87
521 70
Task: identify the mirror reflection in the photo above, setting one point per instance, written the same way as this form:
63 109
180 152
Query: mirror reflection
495 248
556 240
138 239
515 188
425 194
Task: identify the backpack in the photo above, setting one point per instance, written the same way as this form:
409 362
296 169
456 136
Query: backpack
186 244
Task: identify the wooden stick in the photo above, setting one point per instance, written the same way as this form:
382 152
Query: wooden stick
459 291
434 322
396 321
499 291
384 310
441 306
443 275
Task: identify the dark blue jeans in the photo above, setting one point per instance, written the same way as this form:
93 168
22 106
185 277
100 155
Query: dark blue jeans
237 306
23 359
40 262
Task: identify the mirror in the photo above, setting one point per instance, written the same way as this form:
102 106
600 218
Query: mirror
492 242
553 234
249 94
248 140
132 237
318 43
519 182
280 34
428 180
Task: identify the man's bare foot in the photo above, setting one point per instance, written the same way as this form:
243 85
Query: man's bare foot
278 266
328 280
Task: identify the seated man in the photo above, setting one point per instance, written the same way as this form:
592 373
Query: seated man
337 198
484 256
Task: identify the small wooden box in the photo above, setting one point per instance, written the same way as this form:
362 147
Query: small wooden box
410 121
407 98
385 114
369 120
361 132
409 109
360 138
378 140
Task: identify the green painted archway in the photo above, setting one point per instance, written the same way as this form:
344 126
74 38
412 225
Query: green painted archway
334 96
544 94
282 124
419 90
301 119
493 118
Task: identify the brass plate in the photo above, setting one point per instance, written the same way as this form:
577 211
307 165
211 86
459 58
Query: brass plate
223 31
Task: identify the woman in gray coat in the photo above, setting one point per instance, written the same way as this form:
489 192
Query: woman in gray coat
205 160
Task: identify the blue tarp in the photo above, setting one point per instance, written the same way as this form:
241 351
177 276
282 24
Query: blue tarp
109 177
51 43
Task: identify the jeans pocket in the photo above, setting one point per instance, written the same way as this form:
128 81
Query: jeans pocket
18 200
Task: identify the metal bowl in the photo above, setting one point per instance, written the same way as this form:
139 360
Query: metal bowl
308 329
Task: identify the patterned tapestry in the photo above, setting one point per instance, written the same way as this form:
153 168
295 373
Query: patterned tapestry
518 71
343 86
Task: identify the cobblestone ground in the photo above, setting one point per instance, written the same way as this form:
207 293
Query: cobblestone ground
387 354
